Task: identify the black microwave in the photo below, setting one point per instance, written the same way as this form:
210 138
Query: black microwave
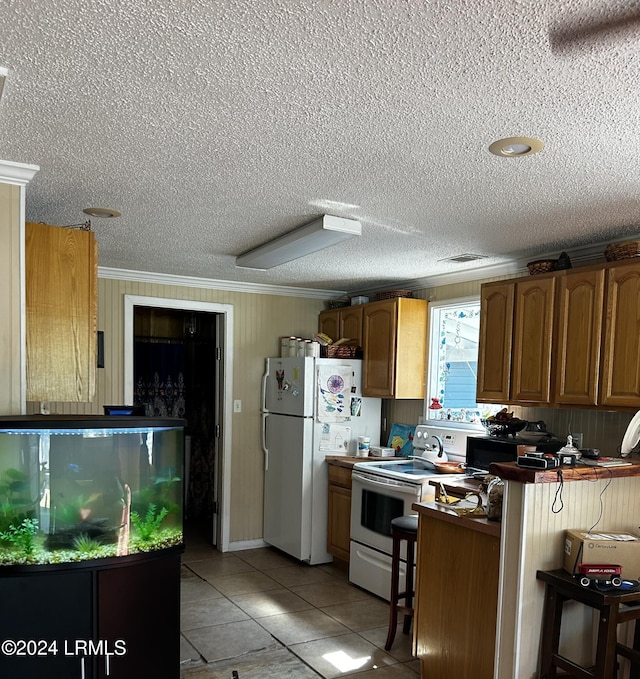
485 450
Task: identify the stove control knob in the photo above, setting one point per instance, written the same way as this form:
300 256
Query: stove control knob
419 434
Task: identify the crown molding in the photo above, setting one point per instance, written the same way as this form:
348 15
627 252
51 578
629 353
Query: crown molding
582 256
213 284
17 173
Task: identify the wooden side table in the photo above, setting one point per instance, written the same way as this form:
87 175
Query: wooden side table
561 587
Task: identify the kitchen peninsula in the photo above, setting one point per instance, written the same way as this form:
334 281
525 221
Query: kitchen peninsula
538 507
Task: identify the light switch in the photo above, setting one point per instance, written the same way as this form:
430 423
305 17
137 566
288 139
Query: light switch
237 406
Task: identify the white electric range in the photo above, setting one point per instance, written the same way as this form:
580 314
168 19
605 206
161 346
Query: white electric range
385 489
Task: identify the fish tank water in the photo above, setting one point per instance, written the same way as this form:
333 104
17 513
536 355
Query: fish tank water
76 488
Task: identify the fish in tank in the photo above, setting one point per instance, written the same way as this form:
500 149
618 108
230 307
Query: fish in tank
74 488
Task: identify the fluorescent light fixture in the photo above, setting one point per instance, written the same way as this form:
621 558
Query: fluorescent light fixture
4 72
319 234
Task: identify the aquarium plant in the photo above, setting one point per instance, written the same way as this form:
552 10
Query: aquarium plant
22 536
148 526
15 502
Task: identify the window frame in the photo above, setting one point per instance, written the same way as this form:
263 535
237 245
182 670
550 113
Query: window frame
432 360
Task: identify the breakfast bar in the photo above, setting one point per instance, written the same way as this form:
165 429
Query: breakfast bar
479 605
456 593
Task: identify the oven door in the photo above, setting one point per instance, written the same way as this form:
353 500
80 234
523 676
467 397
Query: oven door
375 501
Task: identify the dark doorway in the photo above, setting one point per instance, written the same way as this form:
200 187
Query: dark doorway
175 366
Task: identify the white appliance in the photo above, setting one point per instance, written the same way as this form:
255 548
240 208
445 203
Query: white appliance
385 489
312 407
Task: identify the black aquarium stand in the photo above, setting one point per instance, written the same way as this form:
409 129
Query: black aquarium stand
116 618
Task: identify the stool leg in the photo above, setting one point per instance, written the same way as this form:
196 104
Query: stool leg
606 648
550 631
408 588
393 612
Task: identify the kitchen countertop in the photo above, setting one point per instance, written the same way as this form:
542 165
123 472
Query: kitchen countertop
349 460
443 513
509 471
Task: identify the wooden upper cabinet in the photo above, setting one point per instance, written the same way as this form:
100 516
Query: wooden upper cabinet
351 323
620 375
345 322
395 340
577 336
61 280
532 332
329 323
494 347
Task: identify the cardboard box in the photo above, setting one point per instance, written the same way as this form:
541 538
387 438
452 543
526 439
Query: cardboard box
606 548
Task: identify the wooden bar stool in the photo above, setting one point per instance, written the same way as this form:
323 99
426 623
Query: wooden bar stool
561 587
402 528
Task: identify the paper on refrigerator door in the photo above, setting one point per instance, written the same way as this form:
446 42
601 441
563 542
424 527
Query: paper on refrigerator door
335 438
334 393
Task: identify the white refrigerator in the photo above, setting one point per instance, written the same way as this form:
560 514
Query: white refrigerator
311 408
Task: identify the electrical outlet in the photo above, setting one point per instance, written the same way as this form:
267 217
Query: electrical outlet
237 406
44 408
577 440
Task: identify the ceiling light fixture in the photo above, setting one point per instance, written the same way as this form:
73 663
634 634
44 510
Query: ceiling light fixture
101 212
515 147
319 234
4 72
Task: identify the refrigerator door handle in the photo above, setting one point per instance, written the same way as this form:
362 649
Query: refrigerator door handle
264 386
264 441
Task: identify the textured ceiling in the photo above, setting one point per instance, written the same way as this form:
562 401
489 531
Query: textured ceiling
216 126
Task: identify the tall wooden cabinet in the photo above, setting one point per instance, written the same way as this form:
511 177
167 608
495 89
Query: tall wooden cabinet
395 341
532 332
61 266
577 336
568 338
620 376
496 334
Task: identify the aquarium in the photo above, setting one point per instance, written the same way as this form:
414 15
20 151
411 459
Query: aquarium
76 488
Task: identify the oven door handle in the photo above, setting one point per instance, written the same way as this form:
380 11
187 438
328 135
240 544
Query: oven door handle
379 482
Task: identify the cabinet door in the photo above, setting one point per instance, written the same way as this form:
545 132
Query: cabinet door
620 376
411 348
140 604
61 266
329 323
379 330
533 325
55 607
494 347
338 537
351 323
577 334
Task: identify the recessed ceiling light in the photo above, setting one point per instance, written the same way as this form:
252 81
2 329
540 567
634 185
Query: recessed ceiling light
102 212
514 147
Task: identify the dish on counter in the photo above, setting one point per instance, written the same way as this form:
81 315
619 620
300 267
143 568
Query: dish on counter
450 467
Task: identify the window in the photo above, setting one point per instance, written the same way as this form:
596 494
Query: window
453 362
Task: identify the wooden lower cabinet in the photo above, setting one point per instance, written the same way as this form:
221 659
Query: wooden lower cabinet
119 619
339 524
456 598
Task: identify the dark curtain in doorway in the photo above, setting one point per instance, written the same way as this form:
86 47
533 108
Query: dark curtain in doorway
159 378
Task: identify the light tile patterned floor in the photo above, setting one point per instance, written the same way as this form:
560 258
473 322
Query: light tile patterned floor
259 614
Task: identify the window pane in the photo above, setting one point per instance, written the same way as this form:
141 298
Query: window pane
453 362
